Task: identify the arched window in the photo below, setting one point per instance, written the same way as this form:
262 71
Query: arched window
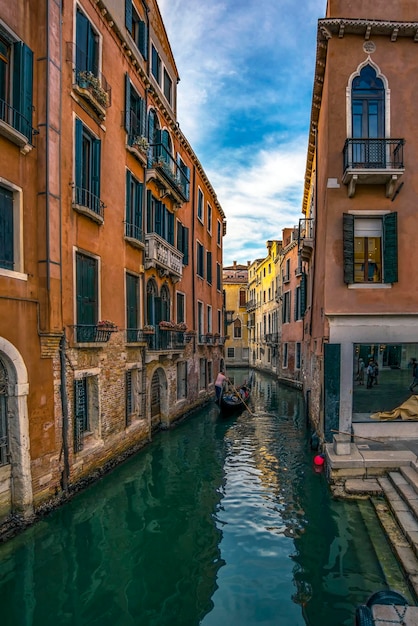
153 127
368 105
4 435
151 302
165 303
237 329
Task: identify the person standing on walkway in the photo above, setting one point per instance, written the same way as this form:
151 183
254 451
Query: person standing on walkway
360 375
370 374
414 374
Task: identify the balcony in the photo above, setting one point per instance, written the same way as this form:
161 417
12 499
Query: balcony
306 238
167 175
166 259
373 162
251 305
97 333
89 84
271 338
87 203
15 127
167 340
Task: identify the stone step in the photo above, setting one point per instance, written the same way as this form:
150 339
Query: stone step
402 482
392 486
405 554
411 475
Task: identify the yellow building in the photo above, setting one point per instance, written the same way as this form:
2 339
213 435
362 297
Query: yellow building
235 279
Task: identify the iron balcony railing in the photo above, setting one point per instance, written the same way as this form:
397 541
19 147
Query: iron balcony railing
163 340
87 75
132 231
89 333
16 120
86 198
306 229
160 159
373 154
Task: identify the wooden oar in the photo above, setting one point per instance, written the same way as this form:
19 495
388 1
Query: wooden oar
242 399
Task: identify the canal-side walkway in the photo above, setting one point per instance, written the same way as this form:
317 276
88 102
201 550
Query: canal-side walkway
389 470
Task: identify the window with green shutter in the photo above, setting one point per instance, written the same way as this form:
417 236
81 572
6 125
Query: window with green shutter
6 229
132 307
87 169
136 27
86 296
370 248
134 198
16 85
134 113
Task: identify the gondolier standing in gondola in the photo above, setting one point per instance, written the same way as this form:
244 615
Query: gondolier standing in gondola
219 383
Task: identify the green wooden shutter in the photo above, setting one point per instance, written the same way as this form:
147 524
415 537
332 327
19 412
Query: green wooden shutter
6 229
170 228
158 208
23 89
86 285
348 248
303 285
142 116
128 211
127 104
128 15
138 210
390 248
185 245
78 160
209 267
95 180
142 39
180 236
131 301
150 221
332 365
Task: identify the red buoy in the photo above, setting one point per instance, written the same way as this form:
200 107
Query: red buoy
319 459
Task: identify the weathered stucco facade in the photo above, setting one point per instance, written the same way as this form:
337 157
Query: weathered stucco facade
110 251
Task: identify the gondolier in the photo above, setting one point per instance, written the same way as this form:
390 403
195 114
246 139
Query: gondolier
219 383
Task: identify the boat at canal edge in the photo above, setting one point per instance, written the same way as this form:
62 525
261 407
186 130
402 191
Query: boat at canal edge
234 400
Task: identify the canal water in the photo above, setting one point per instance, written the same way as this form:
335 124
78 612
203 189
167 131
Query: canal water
217 522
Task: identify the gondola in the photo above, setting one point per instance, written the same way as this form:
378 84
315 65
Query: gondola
234 400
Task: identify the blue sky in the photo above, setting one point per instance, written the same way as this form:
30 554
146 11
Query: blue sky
244 100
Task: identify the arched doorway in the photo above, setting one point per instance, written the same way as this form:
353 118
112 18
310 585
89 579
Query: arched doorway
15 462
158 397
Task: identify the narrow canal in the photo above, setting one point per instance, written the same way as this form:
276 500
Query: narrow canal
216 522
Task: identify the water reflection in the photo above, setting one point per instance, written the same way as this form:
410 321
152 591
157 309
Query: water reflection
219 521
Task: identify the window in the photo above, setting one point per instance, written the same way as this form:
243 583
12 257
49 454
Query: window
181 380
132 307
200 204
180 310
286 307
210 372
134 114
133 219
242 297
200 320
209 267
209 316
16 80
202 374
286 273
219 233
219 321
237 329
367 101
168 87
200 260
370 249
87 48
285 355
87 170
183 241
133 382
86 297
298 315
159 219
11 253
183 175
136 27
298 355
231 353
209 218
86 409
218 277
155 64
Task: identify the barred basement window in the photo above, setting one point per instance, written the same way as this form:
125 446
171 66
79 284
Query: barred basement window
4 435
81 416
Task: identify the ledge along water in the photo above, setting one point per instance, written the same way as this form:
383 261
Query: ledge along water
217 521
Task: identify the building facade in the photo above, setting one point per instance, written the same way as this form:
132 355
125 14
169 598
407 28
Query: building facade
235 279
359 215
110 245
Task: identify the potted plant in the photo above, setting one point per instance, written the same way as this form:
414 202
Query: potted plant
148 329
140 142
107 325
87 80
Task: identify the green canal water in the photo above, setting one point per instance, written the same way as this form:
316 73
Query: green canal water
217 522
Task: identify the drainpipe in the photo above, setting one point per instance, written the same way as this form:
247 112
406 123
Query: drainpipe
65 418
192 255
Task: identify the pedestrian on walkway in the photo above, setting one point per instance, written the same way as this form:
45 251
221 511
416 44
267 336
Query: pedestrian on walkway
361 368
370 374
414 374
